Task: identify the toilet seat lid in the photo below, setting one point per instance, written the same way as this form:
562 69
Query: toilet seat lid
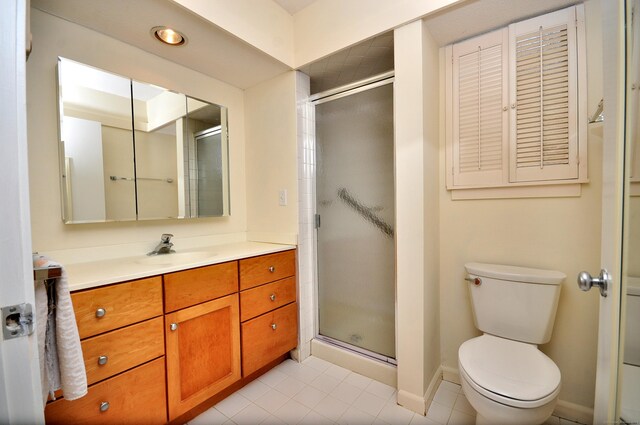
512 369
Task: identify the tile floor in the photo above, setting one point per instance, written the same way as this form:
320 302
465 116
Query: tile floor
316 392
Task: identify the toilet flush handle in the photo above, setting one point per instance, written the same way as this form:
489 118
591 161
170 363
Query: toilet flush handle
475 280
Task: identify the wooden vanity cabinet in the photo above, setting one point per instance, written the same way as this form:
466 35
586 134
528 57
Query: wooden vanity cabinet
203 339
122 338
268 309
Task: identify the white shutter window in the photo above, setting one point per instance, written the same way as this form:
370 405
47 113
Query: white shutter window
543 92
480 123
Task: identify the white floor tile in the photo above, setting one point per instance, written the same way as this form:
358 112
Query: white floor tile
290 386
254 390
369 403
381 390
553 420
461 418
331 408
273 420
292 412
346 392
422 420
209 417
272 401
316 363
273 377
315 418
337 372
310 396
439 413
358 380
463 405
232 404
250 415
456 388
395 415
306 374
445 397
325 383
288 366
354 416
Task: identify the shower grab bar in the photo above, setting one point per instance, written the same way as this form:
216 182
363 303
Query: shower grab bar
366 212
130 179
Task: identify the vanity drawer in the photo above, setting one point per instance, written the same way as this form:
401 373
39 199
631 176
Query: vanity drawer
267 268
134 397
123 348
195 286
268 336
122 305
262 299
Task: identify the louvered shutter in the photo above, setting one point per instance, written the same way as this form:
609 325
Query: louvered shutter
543 92
480 125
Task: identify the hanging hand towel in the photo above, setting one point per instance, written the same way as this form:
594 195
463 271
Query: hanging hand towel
61 361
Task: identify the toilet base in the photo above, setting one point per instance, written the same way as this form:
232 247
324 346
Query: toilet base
490 412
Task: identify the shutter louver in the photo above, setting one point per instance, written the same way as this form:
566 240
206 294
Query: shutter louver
479 123
545 98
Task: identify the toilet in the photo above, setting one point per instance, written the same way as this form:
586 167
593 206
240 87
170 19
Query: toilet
504 375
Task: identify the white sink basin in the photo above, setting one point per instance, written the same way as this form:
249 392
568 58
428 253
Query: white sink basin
176 258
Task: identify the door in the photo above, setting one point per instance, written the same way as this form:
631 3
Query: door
202 351
355 208
612 211
20 389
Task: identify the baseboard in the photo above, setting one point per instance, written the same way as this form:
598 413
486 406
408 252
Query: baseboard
564 409
433 387
573 412
412 402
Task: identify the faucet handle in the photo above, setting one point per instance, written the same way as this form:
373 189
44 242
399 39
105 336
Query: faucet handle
166 237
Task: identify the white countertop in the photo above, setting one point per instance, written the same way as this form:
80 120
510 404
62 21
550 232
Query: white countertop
98 273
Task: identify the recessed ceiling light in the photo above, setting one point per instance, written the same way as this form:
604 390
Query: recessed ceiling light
169 36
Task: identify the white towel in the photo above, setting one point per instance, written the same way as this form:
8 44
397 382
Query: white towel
61 361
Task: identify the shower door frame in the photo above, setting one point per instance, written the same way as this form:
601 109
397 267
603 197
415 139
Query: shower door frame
318 99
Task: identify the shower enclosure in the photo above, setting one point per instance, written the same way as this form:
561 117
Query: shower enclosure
355 218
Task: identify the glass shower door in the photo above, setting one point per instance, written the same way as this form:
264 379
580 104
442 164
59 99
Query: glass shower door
355 204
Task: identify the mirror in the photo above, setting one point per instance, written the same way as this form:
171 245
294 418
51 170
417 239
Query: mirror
134 151
629 370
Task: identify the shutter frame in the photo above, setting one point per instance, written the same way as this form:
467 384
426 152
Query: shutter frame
480 77
531 133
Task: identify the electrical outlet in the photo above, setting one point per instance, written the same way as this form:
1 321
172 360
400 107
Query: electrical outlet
282 197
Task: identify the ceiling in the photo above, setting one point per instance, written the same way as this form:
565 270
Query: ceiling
210 50
365 59
294 6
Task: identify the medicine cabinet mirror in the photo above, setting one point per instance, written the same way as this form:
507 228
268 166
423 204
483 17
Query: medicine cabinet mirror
135 151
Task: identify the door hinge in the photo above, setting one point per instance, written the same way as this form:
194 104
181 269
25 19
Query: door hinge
17 321
317 221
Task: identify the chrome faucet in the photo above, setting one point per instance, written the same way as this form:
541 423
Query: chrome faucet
164 247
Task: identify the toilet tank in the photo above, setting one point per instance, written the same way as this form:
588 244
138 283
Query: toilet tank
517 303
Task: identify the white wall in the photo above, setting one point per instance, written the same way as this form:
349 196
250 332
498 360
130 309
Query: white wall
263 24
556 233
55 37
271 164
327 26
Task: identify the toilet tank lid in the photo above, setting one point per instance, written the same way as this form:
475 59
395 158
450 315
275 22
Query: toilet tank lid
514 273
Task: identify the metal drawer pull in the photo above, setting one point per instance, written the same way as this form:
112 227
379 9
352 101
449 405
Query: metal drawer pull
272 297
102 360
173 326
272 269
100 312
104 406
273 326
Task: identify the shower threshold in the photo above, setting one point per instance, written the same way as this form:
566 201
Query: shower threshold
358 350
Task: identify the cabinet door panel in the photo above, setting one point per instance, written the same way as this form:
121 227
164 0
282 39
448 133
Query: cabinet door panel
268 336
123 348
203 352
266 268
134 397
122 305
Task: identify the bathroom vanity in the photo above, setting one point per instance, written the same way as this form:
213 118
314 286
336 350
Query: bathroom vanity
166 346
